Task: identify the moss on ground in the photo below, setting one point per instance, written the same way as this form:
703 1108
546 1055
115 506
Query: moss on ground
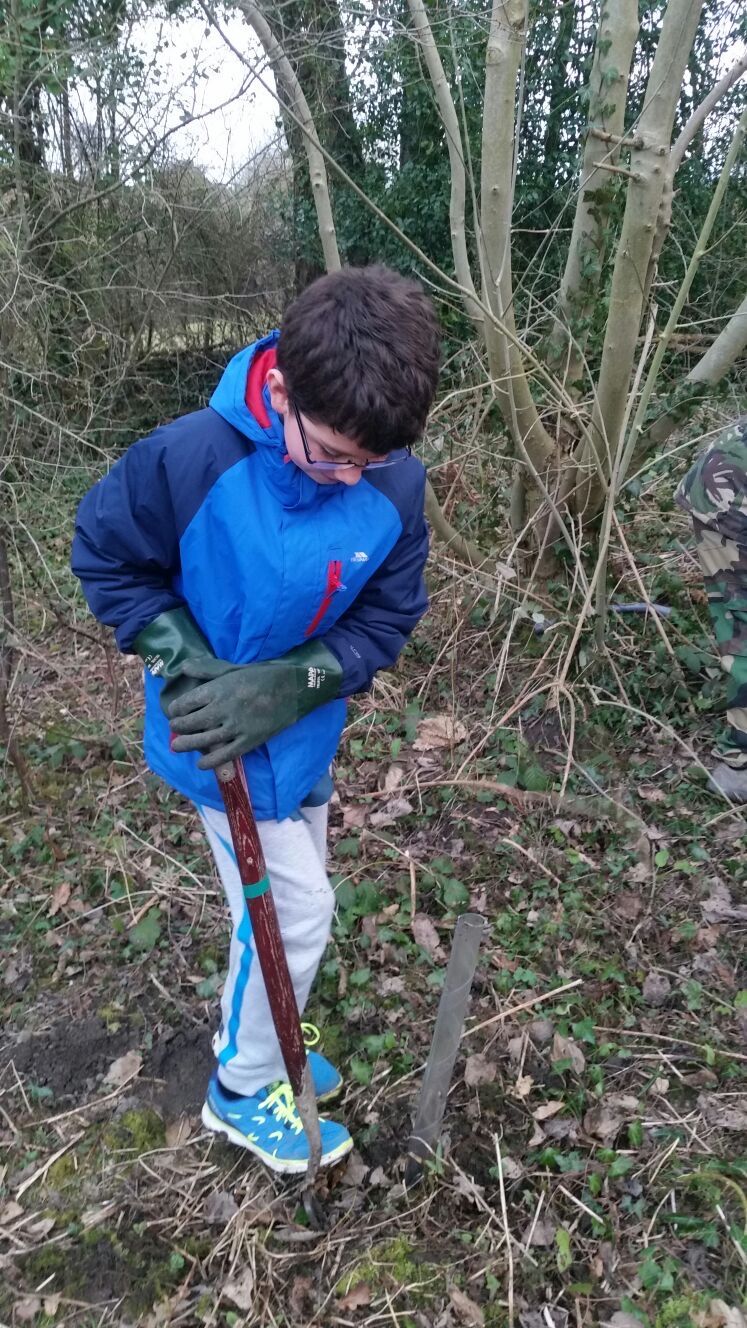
139 1130
106 1264
393 1264
685 1311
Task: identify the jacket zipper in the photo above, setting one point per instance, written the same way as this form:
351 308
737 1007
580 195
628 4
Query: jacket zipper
334 583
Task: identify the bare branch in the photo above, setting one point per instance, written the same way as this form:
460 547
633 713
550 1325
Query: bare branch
724 352
450 121
97 196
714 365
699 115
317 170
664 216
459 545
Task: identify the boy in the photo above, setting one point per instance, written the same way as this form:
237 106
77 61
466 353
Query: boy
265 557
714 493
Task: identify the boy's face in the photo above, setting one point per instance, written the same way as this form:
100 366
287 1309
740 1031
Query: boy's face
323 442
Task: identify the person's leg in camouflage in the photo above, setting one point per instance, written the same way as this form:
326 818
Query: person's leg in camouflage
724 566
714 492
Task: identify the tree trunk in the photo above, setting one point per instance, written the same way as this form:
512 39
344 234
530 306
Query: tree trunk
648 175
608 88
502 62
633 443
703 110
300 107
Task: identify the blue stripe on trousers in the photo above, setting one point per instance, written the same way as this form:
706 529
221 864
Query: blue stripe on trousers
244 935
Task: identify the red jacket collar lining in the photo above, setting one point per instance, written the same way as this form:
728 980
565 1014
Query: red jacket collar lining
255 381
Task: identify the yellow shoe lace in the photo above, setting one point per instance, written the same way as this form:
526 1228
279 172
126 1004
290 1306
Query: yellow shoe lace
311 1035
281 1103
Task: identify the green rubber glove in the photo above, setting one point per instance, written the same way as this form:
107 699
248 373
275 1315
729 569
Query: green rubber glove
166 645
240 706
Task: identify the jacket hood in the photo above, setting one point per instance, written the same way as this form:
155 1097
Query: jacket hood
242 398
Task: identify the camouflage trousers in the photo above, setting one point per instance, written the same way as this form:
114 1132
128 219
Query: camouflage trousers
714 494
724 566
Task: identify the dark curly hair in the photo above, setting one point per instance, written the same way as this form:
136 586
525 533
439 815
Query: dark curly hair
359 352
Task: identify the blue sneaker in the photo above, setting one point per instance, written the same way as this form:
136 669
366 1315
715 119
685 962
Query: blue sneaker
268 1125
327 1080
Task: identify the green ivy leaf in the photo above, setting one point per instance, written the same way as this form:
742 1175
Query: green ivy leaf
145 935
564 1255
209 986
360 1070
360 977
584 1031
650 1274
635 1133
454 894
534 779
345 895
348 848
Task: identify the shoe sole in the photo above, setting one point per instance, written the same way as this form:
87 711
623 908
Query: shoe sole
289 1166
331 1094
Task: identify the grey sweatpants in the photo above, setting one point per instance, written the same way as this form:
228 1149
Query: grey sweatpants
246 1046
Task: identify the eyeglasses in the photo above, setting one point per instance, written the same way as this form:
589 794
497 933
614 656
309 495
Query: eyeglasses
343 465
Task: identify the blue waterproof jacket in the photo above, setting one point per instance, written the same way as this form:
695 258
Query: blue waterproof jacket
208 512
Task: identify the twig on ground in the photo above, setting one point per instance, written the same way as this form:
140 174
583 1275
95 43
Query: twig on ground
531 857
677 1041
732 1237
507 1230
523 1005
89 1106
535 1220
602 807
42 1171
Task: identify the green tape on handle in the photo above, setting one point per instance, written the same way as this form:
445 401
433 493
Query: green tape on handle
254 891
